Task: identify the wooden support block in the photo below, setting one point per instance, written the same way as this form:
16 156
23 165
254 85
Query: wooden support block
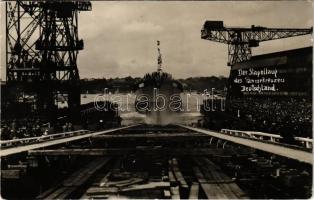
194 191
175 193
167 194
99 196
104 180
172 179
131 182
178 174
152 185
101 190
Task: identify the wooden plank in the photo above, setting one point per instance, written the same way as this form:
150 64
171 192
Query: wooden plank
80 176
231 187
101 190
225 187
194 191
86 197
87 173
71 179
201 179
211 190
92 197
151 185
167 194
177 173
210 171
172 179
175 194
104 180
198 174
47 192
75 180
56 193
66 192
124 182
238 192
131 181
104 196
215 171
225 183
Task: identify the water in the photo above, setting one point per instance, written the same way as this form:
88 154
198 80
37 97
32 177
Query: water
190 104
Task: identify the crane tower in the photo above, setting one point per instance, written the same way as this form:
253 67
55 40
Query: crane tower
42 46
241 40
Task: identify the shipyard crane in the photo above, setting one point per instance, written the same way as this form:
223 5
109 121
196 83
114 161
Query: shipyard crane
42 45
241 40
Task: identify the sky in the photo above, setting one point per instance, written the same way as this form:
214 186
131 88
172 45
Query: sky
120 37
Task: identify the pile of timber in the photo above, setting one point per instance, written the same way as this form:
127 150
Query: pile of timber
120 183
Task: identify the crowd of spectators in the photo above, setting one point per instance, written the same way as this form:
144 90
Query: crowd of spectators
31 127
280 116
21 128
31 124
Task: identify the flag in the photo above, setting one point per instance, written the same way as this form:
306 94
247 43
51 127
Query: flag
159 59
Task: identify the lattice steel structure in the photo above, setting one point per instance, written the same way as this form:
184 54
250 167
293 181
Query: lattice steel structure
42 45
241 40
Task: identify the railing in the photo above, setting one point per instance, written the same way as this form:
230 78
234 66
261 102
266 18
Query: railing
29 140
305 142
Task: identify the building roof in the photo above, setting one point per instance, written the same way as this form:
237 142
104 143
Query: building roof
298 51
303 55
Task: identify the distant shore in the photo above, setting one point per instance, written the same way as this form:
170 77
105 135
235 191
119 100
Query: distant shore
128 84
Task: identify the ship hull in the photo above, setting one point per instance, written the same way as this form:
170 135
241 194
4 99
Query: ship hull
158 98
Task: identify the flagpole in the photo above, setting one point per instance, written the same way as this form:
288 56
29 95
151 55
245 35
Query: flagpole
159 60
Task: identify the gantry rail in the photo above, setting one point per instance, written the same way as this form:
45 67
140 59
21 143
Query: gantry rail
26 144
305 142
261 141
271 147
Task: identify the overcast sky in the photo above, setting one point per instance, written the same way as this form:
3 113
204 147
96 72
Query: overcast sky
120 37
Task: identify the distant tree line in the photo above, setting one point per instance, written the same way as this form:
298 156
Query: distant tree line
201 83
128 84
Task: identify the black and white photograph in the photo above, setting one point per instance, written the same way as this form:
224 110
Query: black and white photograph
156 99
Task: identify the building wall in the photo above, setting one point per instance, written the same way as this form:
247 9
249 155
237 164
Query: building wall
281 74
